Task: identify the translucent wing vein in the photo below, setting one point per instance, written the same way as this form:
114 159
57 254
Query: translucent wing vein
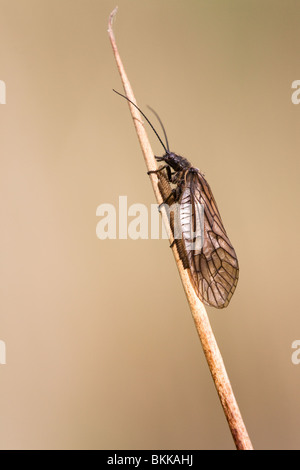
213 264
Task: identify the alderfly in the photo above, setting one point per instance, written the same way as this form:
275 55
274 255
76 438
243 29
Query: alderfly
204 247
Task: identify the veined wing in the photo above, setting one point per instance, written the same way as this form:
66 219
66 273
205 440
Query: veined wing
213 262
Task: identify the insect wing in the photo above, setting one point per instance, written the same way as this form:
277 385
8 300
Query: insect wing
213 262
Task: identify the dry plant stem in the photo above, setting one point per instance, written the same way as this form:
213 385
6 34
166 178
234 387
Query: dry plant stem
208 341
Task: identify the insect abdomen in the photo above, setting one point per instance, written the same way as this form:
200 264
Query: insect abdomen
169 198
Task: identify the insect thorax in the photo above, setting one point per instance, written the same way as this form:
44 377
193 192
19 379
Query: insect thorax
177 162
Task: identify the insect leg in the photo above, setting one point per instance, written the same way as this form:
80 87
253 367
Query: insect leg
159 170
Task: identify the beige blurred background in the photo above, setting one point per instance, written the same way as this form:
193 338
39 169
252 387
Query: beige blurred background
101 348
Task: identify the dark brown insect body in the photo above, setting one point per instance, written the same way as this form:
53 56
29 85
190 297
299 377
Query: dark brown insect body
213 265
204 247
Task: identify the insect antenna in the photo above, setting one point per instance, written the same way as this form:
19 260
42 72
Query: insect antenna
152 127
162 126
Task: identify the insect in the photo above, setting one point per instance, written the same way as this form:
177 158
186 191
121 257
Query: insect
204 248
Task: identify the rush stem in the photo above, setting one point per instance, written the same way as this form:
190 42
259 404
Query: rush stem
207 338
